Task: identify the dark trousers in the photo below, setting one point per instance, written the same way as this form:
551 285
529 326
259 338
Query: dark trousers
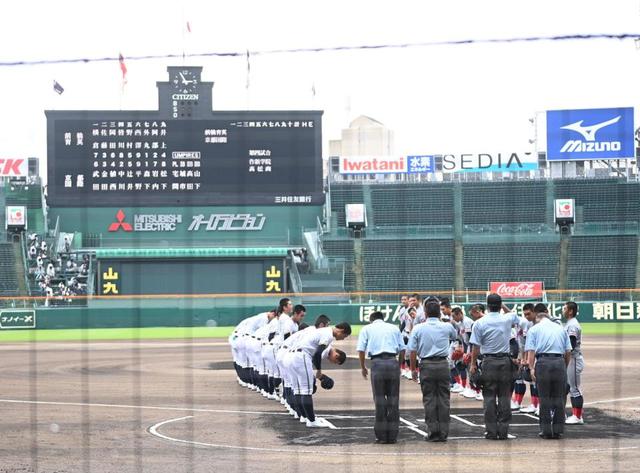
436 396
551 378
496 391
385 383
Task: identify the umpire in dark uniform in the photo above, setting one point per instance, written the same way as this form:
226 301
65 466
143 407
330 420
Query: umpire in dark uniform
382 342
548 353
430 341
490 337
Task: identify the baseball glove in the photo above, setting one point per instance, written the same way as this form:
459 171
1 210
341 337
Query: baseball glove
457 354
326 382
466 358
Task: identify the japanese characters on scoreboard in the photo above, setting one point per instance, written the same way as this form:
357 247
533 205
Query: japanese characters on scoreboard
116 158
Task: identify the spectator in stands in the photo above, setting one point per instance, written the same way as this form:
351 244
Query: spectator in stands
33 238
43 246
39 262
67 245
48 294
84 269
33 252
51 272
72 267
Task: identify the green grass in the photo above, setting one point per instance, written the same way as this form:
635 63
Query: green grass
150 333
160 333
612 328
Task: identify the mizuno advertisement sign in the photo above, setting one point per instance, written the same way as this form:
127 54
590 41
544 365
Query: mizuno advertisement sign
603 133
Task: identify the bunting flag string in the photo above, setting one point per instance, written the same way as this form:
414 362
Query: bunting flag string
569 37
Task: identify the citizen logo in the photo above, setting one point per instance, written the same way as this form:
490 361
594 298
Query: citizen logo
185 96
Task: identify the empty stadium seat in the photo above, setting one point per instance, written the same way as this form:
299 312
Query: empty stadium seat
602 262
511 261
408 264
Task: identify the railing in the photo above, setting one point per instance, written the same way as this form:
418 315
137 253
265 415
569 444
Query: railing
45 212
296 281
415 231
99 240
23 253
509 228
542 174
606 228
90 277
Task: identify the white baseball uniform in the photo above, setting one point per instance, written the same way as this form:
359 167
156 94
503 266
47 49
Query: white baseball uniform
300 357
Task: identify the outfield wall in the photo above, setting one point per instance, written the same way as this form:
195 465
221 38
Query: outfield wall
180 313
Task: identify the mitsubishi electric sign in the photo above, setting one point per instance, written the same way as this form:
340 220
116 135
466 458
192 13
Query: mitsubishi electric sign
171 222
602 133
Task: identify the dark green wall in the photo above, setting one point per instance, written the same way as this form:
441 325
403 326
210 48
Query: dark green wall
283 225
186 313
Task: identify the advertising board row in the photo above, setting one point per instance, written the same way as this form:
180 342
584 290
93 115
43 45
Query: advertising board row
571 135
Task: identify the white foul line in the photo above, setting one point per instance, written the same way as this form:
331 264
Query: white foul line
464 421
153 430
157 408
612 400
413 427
329 424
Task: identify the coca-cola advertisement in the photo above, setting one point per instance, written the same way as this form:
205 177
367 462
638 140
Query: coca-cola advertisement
517 290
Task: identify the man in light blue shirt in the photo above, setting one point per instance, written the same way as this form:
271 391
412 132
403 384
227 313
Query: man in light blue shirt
430 342
382 342
548 354
490 337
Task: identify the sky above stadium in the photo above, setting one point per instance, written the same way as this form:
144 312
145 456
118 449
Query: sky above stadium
436 98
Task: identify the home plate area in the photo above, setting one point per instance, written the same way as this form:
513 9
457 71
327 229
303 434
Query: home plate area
356 427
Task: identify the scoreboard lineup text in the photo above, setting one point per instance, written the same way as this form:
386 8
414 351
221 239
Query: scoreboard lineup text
104 159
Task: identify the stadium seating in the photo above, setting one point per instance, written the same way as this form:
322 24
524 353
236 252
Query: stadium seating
342 195
425 265
341 250
602 262
510 261
602 200
8 277
503 202
411 204
27 195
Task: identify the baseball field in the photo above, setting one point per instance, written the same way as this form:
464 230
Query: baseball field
166 399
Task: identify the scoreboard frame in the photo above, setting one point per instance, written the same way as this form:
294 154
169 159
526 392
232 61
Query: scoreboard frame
287 185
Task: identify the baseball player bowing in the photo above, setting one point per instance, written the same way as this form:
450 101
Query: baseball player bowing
306 355
244 343
288 381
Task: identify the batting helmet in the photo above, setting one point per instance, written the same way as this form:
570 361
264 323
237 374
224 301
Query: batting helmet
326 382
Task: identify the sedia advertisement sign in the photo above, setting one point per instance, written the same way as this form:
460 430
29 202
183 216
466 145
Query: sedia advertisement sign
489 162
